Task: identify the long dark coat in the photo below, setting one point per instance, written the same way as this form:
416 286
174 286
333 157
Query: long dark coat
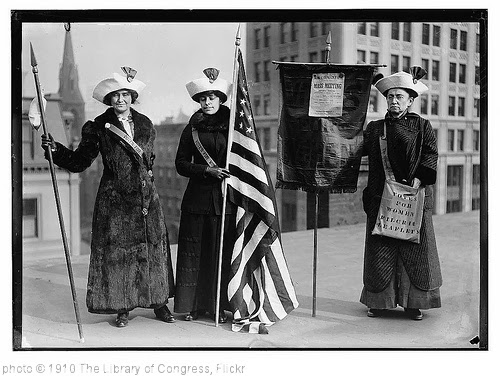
197 252
130 262
404 138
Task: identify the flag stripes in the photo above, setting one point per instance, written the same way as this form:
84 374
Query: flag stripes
260 288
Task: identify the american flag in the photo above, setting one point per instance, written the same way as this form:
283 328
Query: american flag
260 289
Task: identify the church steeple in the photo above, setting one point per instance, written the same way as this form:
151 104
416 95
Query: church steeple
72 102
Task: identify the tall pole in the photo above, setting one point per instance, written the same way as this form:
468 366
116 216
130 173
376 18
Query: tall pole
316 204
34 66
315 252
224 182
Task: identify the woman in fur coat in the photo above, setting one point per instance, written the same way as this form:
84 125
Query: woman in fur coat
198 248
130 263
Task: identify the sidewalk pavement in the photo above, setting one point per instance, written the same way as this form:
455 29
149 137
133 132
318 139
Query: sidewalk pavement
48 318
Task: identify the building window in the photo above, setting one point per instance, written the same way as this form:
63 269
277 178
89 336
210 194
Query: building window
460 140
425 65
461 106
257 71
476 107
453 39
475 140
436 35
451 140
373 57
266 138
394 63
313 29
30 218
374 29
373 105
361 56
424 103
257 39
256 105
362 28
395 31
266 36
293 58
477 76
436 132
28 143
407 31
266 70
476 187
461 73
313 57
294 31
325 28
267 104
283 27
463 40
434 104
453 72
454 188
451 106
435 70
426 34
478 43
406 63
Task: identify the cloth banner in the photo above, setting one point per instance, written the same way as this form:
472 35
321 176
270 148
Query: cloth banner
320 135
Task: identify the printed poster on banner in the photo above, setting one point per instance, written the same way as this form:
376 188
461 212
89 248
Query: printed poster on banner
327 94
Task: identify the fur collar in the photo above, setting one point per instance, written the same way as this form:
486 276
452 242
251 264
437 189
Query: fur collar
211 123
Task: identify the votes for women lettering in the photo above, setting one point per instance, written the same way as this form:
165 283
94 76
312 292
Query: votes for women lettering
320 135
400 212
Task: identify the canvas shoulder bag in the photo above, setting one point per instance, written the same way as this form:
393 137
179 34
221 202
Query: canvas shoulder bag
401 207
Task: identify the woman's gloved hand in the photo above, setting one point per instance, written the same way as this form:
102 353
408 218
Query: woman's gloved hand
48 141
216 172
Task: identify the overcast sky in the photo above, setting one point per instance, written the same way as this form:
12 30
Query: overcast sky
166 56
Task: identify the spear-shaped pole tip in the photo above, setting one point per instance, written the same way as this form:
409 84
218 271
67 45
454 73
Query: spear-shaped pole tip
238 36
33 58
329 38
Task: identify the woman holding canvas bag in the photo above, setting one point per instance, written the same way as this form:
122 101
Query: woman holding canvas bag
400 272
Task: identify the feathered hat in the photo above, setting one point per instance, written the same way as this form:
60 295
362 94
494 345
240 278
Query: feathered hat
118 82
211 82
409 81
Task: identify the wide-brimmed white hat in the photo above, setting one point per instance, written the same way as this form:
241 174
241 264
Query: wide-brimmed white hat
210 83
118 82
404 80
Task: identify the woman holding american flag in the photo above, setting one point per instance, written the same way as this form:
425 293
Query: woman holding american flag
201 156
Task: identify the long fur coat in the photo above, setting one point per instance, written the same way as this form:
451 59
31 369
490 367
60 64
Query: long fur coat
130 262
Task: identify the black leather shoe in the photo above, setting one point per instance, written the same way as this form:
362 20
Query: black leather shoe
222 317
192 316
414 314
163 314
373 313
122 319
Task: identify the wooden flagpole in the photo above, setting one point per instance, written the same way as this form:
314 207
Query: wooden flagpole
34 66
224 182
316 203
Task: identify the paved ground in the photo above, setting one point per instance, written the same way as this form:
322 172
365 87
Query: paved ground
341 321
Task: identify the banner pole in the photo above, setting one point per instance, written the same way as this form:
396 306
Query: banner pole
224 182
315 252
316 204
34 66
